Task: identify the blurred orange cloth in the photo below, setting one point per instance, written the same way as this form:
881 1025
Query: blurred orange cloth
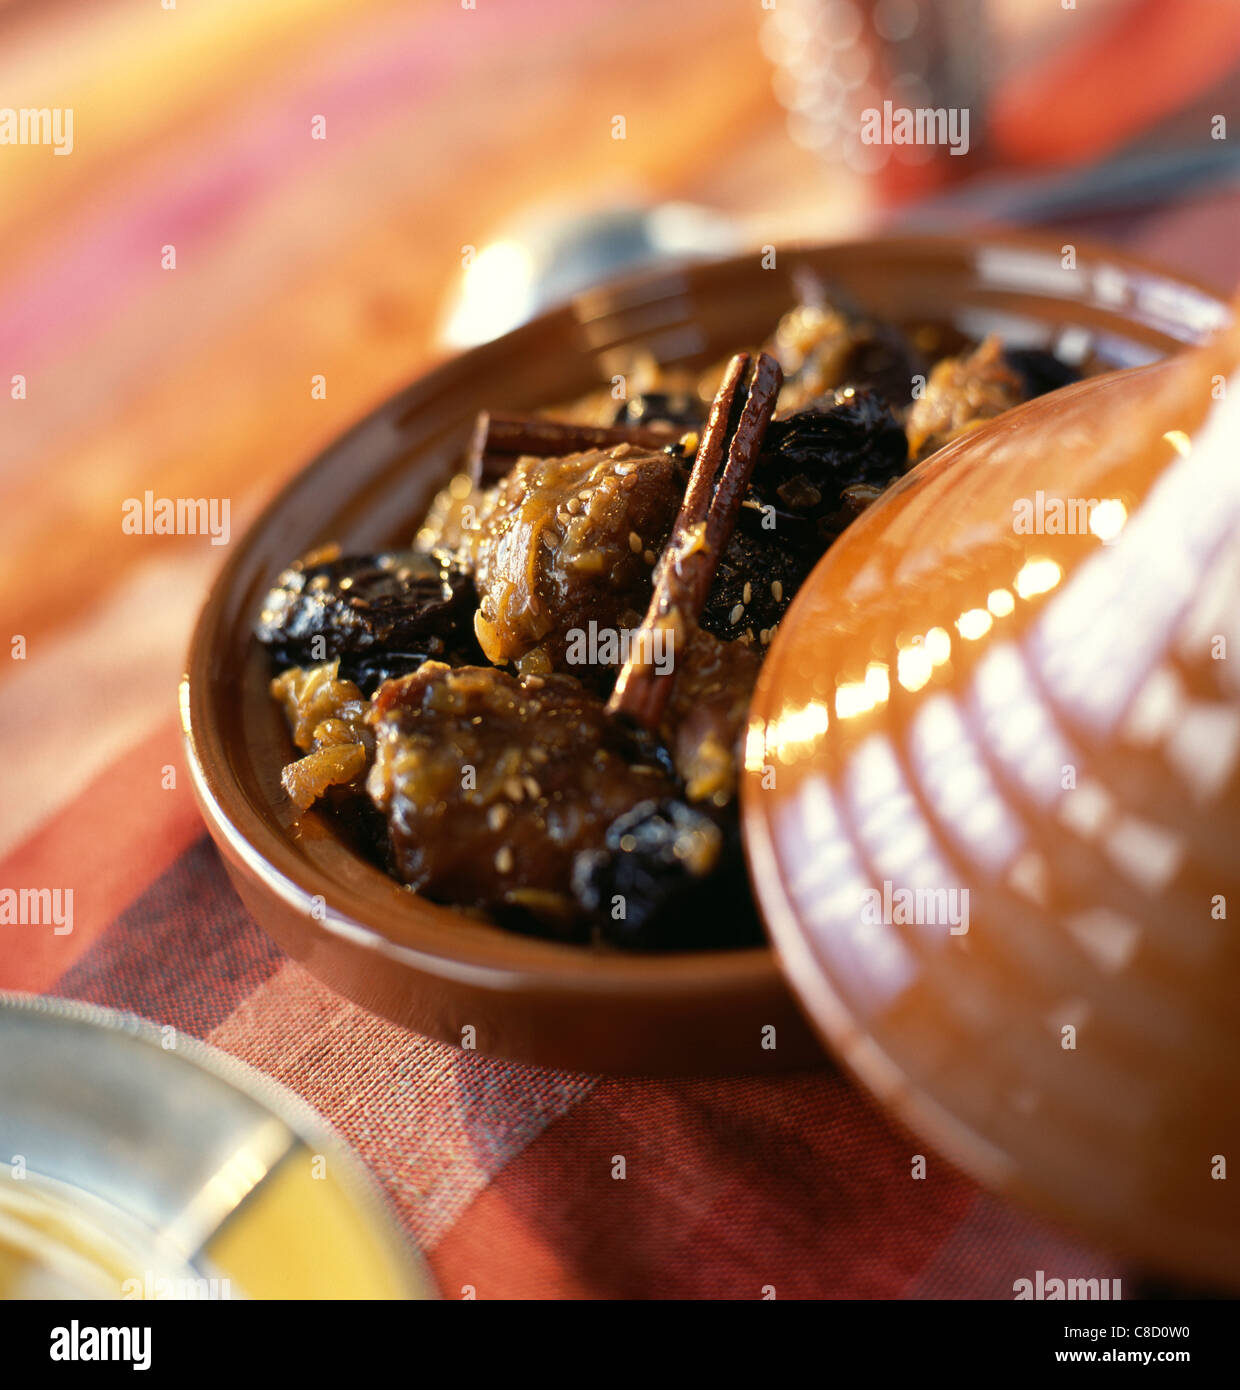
1146 60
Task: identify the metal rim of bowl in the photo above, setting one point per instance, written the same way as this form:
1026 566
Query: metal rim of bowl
301 1119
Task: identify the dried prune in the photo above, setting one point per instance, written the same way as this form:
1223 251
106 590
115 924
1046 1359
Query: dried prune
381 615
758 576
1039 370
808 459
681 408
818 470
669 877
884 362
371 670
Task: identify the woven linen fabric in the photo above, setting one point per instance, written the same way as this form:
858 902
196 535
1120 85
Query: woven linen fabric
503 1175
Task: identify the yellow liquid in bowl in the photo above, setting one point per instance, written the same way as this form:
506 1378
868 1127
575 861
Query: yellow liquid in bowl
57 1241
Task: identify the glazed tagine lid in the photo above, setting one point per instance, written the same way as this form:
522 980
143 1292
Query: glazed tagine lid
992 804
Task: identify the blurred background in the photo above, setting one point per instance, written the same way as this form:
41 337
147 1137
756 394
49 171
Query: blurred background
487 135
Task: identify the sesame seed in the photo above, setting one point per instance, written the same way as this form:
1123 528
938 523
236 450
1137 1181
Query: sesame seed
777 590
635 543
513 789
648 556
497 816
747 593
503 860
736 615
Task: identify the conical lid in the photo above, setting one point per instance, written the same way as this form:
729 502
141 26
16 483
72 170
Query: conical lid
992 804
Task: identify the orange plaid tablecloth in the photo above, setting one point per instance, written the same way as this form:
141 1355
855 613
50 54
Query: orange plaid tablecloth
195 382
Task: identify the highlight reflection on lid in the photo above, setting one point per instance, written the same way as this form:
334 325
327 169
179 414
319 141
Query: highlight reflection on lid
992 797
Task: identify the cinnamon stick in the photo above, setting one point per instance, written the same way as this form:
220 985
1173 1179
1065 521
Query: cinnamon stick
703 527
499 437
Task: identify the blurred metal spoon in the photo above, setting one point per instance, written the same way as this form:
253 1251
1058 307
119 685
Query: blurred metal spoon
551 254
